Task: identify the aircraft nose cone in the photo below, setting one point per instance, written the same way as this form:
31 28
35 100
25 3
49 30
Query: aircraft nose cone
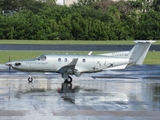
9 63
13 64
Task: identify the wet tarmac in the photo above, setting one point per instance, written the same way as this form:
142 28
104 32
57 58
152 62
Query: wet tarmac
130 94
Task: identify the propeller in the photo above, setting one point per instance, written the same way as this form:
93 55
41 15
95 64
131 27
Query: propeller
9 65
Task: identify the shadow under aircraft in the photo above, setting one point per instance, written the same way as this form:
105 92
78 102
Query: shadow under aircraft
68 91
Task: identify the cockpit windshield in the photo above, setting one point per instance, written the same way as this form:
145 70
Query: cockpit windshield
42 58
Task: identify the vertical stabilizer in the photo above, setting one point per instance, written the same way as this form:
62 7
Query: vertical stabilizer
139 52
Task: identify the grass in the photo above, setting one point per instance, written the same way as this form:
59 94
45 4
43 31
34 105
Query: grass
152 57
120 42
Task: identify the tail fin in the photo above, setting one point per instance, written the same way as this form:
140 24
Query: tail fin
139 52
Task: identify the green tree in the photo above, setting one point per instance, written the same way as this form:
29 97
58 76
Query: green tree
156 5
148 27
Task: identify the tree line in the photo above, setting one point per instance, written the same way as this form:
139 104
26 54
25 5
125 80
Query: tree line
85 20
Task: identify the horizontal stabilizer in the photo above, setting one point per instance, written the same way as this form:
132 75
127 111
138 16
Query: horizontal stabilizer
117 67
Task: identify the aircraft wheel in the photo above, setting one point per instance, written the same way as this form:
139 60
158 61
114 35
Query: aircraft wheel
30 79
69 80
70 85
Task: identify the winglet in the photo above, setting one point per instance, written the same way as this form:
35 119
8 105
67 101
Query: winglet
144 41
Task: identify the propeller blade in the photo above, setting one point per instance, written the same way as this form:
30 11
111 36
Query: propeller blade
9 65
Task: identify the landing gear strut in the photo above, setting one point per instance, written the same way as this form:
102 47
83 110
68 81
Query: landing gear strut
30 79
69 80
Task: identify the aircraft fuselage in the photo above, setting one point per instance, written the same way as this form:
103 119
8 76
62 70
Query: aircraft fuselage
54 63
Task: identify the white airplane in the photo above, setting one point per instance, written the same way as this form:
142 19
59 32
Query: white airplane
67 65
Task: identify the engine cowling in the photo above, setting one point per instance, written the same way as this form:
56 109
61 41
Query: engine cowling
74 72
77 73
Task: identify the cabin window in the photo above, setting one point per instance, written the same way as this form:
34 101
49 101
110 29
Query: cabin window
59 59
83 60
65 59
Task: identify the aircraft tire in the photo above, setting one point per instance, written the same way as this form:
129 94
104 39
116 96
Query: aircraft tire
30 79
69 80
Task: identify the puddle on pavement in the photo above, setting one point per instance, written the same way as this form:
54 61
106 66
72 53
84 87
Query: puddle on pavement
139 91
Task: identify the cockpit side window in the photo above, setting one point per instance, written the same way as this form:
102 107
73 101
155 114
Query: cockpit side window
42 58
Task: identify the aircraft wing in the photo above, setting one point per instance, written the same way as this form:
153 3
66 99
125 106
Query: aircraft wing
69 67
73 63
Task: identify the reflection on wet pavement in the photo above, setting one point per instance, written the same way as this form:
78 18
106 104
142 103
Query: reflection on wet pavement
108 94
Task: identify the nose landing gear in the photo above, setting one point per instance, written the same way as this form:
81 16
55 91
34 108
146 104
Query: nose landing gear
30 79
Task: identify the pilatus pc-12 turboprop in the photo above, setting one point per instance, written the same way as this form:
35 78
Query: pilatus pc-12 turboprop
68 65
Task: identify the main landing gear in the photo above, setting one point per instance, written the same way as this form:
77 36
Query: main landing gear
68 80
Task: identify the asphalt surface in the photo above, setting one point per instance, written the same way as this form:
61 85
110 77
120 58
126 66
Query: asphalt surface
73 47
129 94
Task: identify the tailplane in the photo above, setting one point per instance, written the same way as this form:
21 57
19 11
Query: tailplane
139 51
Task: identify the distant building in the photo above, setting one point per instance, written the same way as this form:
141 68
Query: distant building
69 2
66 2
41 0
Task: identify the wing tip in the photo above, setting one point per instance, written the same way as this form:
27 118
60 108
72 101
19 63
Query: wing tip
144 41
